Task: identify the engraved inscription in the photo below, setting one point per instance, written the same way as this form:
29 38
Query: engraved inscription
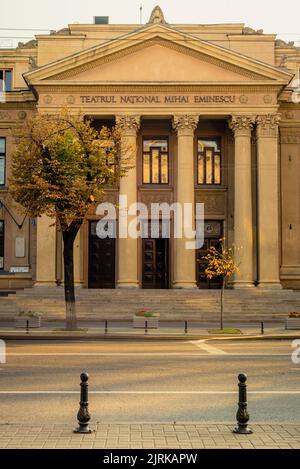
157 99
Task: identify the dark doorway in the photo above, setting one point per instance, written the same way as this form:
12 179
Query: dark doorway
102 253
156 263
213 234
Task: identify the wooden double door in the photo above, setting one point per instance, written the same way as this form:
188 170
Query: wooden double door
155 263
102 260
155 260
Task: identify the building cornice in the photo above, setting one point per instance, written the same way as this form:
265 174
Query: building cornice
20 96
132 87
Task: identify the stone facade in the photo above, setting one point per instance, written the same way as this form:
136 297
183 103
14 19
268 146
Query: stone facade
184 83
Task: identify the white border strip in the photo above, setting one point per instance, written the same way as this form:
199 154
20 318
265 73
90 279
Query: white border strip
152 392
144 354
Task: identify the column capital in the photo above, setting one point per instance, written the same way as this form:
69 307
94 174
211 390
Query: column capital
127 123
267 125
241 124
186 122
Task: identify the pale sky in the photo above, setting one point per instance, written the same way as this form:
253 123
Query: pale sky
282 18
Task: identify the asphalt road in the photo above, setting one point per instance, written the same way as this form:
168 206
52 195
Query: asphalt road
161 381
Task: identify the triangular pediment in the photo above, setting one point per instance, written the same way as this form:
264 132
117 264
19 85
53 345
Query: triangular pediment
157 60
157 54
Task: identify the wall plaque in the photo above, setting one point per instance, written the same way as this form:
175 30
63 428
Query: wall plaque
19 247
19 270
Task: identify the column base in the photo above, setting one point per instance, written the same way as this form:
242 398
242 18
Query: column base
185 285
239 285
45 284
269 286
76 284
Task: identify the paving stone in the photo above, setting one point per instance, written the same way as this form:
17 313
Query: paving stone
151 436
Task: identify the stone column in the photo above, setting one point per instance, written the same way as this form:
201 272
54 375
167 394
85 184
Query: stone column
243 225
127 274
268 201
185 259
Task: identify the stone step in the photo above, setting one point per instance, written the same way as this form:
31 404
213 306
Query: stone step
251 305
255 292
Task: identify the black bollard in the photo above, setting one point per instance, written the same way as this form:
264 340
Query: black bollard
106 327
146 327
185 327
242 415
262 328
27 326
83 415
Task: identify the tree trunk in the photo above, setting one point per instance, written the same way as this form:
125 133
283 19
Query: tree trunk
71 320
222 304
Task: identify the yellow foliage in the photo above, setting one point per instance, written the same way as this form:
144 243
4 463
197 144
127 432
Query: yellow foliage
62 165
220 263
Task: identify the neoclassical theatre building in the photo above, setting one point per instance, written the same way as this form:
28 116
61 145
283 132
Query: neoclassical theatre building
212 115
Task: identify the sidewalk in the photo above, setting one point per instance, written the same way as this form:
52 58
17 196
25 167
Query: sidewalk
150 435
167 330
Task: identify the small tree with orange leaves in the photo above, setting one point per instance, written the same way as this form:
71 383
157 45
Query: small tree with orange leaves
221 264
60 168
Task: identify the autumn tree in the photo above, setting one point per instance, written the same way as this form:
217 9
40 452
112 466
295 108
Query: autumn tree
221 263
61 166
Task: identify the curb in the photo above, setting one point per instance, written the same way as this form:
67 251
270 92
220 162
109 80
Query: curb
92 337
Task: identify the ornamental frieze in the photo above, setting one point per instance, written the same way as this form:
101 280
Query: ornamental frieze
13 115
4 116
47 99
290 139
22 115
289 115
243 99
71 99
180 96
268 99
